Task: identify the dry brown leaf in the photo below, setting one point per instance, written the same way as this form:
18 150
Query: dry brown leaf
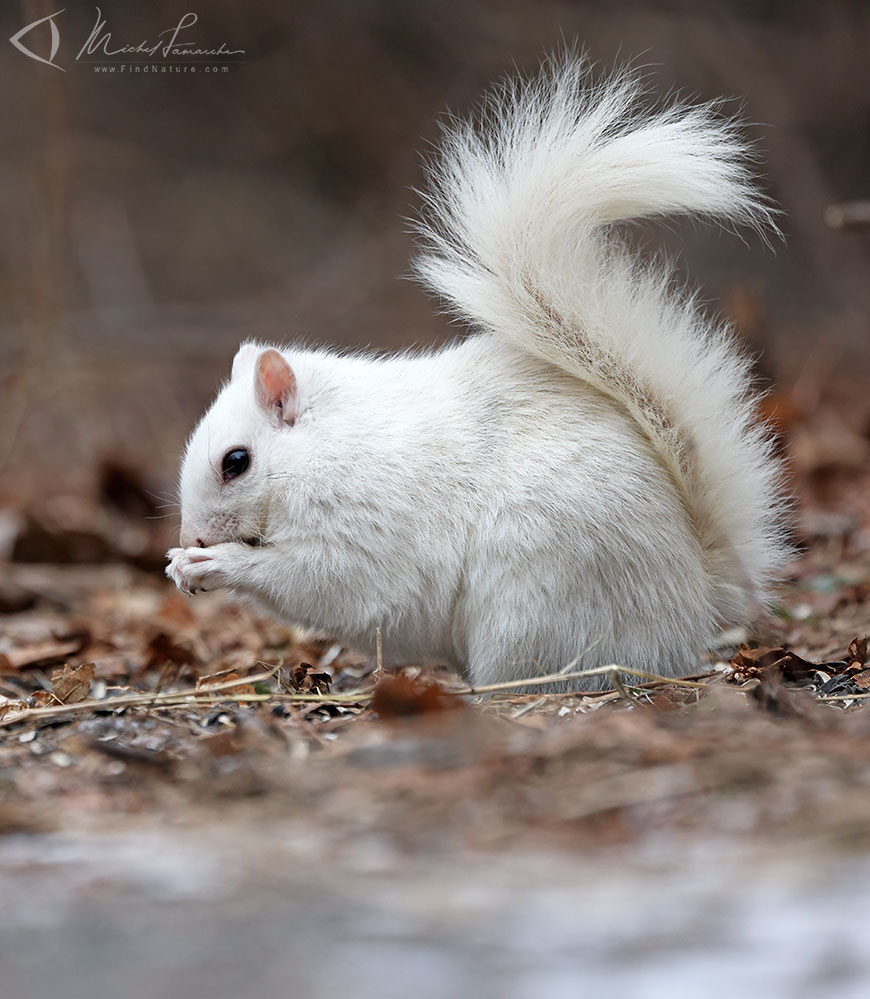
72 683
400 696
307 679
749 663
858 651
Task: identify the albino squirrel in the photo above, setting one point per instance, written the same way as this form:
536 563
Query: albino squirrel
582 480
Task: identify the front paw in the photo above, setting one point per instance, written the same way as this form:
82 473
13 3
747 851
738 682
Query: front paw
199 569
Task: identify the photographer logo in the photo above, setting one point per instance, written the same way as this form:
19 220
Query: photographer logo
55 40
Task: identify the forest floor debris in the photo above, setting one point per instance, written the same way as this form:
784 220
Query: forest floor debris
120 697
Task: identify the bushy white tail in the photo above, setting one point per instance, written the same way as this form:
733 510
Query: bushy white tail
517 240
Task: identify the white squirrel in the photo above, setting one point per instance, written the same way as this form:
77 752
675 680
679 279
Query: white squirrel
583 478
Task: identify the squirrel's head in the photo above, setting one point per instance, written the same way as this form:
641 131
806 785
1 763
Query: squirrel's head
226 468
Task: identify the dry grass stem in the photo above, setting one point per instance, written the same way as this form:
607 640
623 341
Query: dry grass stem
379 672
612 670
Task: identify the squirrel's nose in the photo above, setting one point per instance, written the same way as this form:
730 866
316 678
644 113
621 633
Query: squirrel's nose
188 540
206 533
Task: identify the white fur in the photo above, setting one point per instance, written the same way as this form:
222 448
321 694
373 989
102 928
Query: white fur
582 477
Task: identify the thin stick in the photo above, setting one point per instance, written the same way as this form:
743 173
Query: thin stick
358 697
539 681
379 671
621 687
177 698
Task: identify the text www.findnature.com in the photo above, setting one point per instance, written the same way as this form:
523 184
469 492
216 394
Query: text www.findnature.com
154 68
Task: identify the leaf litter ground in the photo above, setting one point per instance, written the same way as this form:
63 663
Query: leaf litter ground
117 694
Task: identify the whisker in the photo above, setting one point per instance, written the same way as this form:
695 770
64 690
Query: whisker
161 497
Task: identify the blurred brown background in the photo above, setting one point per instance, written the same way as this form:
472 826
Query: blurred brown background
151 221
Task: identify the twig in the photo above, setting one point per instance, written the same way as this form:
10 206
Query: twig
179 698
623 690
379 671
611 670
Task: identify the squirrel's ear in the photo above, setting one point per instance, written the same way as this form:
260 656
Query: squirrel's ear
276 385
244 359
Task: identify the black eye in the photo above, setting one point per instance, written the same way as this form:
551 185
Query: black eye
235 462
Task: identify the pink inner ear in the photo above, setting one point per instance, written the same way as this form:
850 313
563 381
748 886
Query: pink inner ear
276 384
